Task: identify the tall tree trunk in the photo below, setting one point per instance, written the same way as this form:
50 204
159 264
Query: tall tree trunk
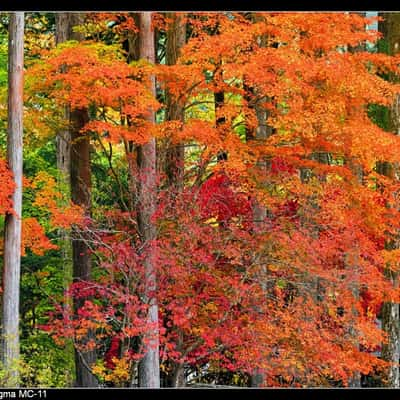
174 153
73 159
355 380
149 367
131 45
12 229
63 144
63 137
390 28
176 38
63 157
80 175
263 131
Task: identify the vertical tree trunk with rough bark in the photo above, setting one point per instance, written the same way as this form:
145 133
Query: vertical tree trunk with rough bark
73 162
12 228
63 158
263 131
390 28
149 367
63 137
80 175
176 38
174 154
355 380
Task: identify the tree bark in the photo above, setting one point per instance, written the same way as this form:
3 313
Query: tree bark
176 38
178 377
63 137
12 229
63 158
149 367
80 175
73 162
174 163
390 28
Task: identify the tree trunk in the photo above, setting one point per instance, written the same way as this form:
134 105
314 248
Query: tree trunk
63 144
63 158
73 159
176 38
174 162
63 137
81 258
178 376
149 367
390 28
390 324
355 380
12 228
131 45
262 133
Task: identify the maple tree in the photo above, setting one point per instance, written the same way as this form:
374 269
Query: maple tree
240 223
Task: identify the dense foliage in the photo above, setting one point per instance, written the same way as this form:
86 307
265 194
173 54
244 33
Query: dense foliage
274 243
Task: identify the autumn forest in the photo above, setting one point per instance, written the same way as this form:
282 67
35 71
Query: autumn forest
192 199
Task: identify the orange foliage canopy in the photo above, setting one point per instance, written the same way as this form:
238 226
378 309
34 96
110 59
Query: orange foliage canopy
93 75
